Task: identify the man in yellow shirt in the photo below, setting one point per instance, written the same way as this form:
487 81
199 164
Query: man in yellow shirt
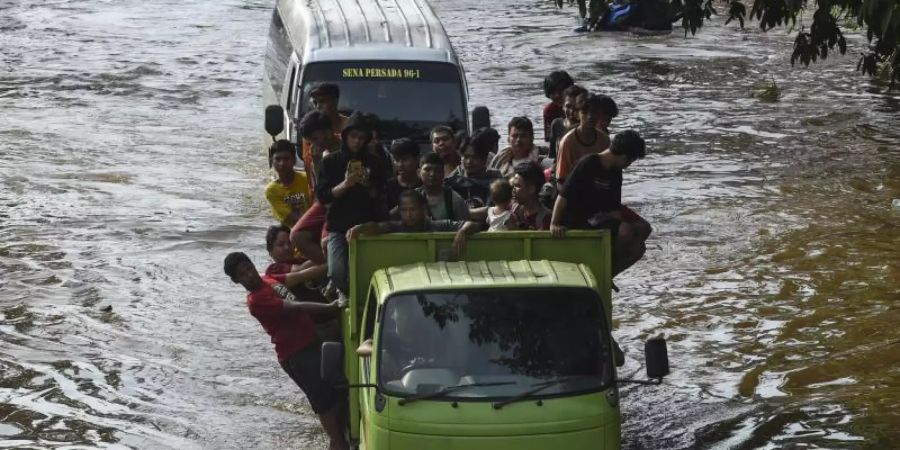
288 194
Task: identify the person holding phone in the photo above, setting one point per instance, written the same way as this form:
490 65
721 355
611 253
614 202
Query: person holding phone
351 185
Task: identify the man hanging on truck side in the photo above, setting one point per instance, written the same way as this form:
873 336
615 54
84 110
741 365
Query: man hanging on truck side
287 320
592 199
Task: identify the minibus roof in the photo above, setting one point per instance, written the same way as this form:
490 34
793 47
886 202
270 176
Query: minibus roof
341 30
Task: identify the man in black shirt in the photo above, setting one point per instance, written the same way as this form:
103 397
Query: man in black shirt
406 163
592 199
351 184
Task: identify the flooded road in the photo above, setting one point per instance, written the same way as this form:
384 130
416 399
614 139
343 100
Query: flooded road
130 134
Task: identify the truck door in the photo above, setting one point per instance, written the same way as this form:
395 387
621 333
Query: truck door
367 365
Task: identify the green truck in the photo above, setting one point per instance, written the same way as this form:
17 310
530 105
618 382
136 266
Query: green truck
507 348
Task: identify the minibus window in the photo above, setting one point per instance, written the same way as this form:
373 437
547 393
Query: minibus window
408 97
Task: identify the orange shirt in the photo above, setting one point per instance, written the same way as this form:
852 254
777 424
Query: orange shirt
572 149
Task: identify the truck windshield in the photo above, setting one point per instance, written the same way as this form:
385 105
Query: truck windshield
497 342
409 98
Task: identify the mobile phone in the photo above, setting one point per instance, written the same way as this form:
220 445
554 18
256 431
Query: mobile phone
355 166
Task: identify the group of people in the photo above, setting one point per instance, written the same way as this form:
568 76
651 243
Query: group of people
354 184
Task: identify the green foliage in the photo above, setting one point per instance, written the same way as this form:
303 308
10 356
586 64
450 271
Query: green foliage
769 92
880 19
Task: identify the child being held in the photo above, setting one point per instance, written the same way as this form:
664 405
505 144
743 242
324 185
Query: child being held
499 216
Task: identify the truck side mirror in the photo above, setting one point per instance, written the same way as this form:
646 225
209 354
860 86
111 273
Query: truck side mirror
481 117
274 120
656 357
332 367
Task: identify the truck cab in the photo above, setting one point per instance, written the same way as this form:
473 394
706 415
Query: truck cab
508 347
391 59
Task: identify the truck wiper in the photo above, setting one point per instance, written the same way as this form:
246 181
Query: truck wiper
448 389
537 387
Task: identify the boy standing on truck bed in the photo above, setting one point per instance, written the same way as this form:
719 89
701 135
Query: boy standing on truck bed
592 199
288 195
351 184
293 332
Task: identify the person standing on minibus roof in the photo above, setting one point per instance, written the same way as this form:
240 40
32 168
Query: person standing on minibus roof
288 194
293 332
351 184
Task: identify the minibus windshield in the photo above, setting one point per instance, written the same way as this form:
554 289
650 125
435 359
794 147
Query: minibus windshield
496 343
409 98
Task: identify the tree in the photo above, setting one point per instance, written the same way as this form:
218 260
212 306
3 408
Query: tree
880 18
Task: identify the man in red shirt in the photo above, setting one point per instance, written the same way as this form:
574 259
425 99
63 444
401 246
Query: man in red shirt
287 320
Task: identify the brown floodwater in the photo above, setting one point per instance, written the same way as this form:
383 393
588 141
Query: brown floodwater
130 136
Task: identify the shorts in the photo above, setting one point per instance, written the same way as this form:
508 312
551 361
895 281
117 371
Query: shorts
607 224
313 220
304 368
629 216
